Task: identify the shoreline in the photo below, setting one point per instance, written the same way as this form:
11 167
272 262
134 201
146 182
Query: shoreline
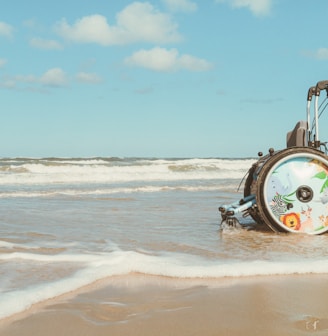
142 305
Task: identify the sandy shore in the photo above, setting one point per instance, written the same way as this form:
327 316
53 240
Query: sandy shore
293 305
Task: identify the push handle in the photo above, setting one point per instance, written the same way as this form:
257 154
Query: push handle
322 85
311 93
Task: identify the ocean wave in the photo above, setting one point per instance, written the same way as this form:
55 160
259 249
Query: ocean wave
174 265
78 192
102 170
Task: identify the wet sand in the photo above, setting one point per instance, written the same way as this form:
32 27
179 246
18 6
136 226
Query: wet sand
141 306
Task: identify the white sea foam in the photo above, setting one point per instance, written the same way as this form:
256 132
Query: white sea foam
99 171
111 191
6 244
99 266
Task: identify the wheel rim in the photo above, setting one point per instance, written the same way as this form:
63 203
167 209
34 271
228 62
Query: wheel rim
295 193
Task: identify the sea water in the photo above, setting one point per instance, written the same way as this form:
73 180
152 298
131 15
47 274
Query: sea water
66 223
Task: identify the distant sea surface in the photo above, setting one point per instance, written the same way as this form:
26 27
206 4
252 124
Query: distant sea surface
66 223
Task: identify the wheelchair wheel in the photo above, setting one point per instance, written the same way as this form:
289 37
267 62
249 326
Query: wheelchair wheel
291 189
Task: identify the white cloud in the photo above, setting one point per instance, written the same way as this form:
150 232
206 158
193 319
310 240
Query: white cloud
45 44
6 30
14 82
322 54
23 79
7 83
161 59
257 7
87 77
181 5
89 29
55 77
138 22
2 62
319 54
52 78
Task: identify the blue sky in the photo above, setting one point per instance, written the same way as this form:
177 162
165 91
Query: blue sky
157 78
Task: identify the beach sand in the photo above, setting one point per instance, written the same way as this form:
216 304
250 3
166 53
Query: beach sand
143 306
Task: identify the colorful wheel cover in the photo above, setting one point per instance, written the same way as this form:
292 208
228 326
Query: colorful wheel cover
295 193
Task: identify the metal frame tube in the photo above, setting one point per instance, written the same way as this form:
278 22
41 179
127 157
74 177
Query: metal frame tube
316 119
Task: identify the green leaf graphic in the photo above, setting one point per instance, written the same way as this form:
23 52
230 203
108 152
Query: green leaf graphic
322 175
324 186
